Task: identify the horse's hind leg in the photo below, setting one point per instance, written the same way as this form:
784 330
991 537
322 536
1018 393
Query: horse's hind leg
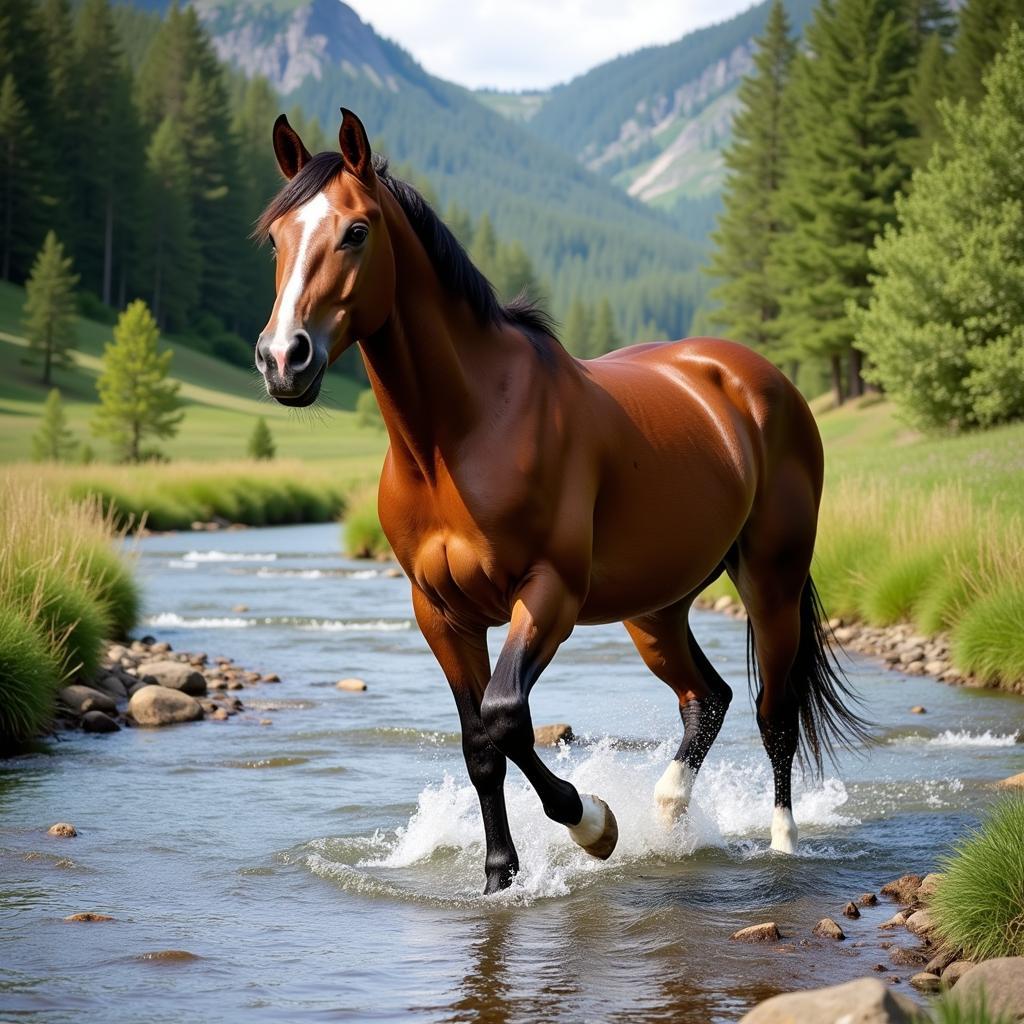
669 650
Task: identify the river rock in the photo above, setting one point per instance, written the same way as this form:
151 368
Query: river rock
941 960
81 699
903 889
865 1001
351 684
169 956
928 886
160 648
767 932
955 971
97 721
723 604
935 667
220 715
175 675
851 911
867 899
111 685
826 928
1002 983
903 957
1013 782
88 916
270 677
918 709
921 922
552 735
898 920
158 705
925 982
63 830
240 609
234 684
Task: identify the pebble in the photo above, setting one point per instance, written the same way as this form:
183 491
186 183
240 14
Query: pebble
767 932
826 928
88 916
63 830
352 684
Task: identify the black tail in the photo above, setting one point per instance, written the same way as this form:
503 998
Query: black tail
818 685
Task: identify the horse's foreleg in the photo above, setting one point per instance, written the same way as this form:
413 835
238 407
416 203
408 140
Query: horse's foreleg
542 617
464 661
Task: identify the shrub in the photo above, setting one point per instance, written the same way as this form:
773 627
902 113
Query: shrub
364 536
29 676
979 904
988 641
368 412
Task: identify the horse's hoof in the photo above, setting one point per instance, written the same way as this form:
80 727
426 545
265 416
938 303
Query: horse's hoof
597 831
672 793
784 834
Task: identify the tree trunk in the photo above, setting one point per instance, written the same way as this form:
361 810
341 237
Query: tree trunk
133 454
856 381
108 250
835 361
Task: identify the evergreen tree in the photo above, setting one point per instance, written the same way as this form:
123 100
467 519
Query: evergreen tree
984 27
53 441
484 250
576 332
50 306
513 273
848 160
604 335
261 442
752 221
16 192
930 83
944 329
136 398
459 224
169 251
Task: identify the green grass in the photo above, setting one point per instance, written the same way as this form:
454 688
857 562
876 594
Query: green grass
29 676
363 535
979 904
949 1010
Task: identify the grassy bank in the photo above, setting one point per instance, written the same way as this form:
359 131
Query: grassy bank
63 590
362 534
926 530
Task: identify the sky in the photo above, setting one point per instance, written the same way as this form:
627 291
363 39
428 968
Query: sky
532 44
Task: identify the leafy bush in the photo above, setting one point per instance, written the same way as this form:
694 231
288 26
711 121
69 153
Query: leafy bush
368 412
979 905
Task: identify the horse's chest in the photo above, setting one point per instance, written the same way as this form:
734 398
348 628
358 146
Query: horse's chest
462 576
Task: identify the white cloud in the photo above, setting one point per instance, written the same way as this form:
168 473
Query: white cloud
532 44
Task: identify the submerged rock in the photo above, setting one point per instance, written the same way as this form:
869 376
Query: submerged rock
1000 982
177 675
158 705
169 956
88 916
63 830
552 735
767 932
97 721
826 928
865 1001
351 684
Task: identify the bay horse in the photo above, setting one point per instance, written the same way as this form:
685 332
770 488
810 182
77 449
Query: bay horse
524 486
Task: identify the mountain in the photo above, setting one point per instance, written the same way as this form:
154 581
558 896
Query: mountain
585 235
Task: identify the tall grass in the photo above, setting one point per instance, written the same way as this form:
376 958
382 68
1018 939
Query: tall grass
173 496
947 1009
979 904
63 591
362 532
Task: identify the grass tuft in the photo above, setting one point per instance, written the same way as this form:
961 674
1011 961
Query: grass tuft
949 1010
979 905
988 641
364 536
29 675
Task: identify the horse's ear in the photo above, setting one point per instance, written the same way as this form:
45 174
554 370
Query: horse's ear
291 154
355 146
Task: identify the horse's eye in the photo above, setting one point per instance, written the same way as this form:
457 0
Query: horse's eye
355 236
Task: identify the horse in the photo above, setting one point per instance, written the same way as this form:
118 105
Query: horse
524 486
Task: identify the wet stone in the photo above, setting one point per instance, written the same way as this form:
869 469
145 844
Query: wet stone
88 917
767 932
97 721
826 928
851 911
63 830
925 982
867 899
552 735
903 889
351 684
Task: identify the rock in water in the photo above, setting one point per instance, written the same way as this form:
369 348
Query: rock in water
867 899
158 705
63 830
352 684
928 886
826 928
88 916
865 1001
767 932
955 971
903 889
81 699
1013 782
1001 981
176 675
96 721
920 922
851 911
552 735
925 982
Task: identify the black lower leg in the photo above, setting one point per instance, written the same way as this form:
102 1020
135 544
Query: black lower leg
702 720
780 735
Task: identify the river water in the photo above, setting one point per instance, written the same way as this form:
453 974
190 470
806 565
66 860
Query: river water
327 866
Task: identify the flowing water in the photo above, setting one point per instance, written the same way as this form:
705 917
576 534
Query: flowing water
327 866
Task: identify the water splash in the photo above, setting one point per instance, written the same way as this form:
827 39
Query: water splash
965 738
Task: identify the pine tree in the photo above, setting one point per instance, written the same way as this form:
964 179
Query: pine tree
53 441
136 398
513 273
752 222
576 332
50 306
984 27
944 328
484 250
169 253
16 192
604 335
930 84
261 442
848 160
459 223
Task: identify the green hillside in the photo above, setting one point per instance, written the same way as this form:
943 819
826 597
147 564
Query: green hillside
222 402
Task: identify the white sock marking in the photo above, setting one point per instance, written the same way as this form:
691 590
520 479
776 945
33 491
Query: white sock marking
672 793
591 826
784 834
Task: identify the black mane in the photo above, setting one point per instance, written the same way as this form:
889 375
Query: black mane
450 260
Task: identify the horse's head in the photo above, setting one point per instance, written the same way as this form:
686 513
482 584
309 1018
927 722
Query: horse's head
335 266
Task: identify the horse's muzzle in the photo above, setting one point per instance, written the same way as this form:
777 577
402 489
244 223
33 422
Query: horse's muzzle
293 373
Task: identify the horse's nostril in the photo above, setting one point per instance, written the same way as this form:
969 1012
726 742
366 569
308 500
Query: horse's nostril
300 352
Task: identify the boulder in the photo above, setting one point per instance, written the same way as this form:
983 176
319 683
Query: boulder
1013 782
767 932
175 675
351 684
851 911
111 685
925 982
898 920
826 928
81 699
97 721
158 705
867 899
552 735
88 916
161 648
955 971
903 889
942 959
63 830
921 922
1000 982
928 886
865 1001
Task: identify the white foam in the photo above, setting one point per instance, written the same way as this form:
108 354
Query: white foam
299 574
228 556
731 809
965 738
178 563
167 619
346 626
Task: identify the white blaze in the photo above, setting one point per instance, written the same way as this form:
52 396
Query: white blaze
310 216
